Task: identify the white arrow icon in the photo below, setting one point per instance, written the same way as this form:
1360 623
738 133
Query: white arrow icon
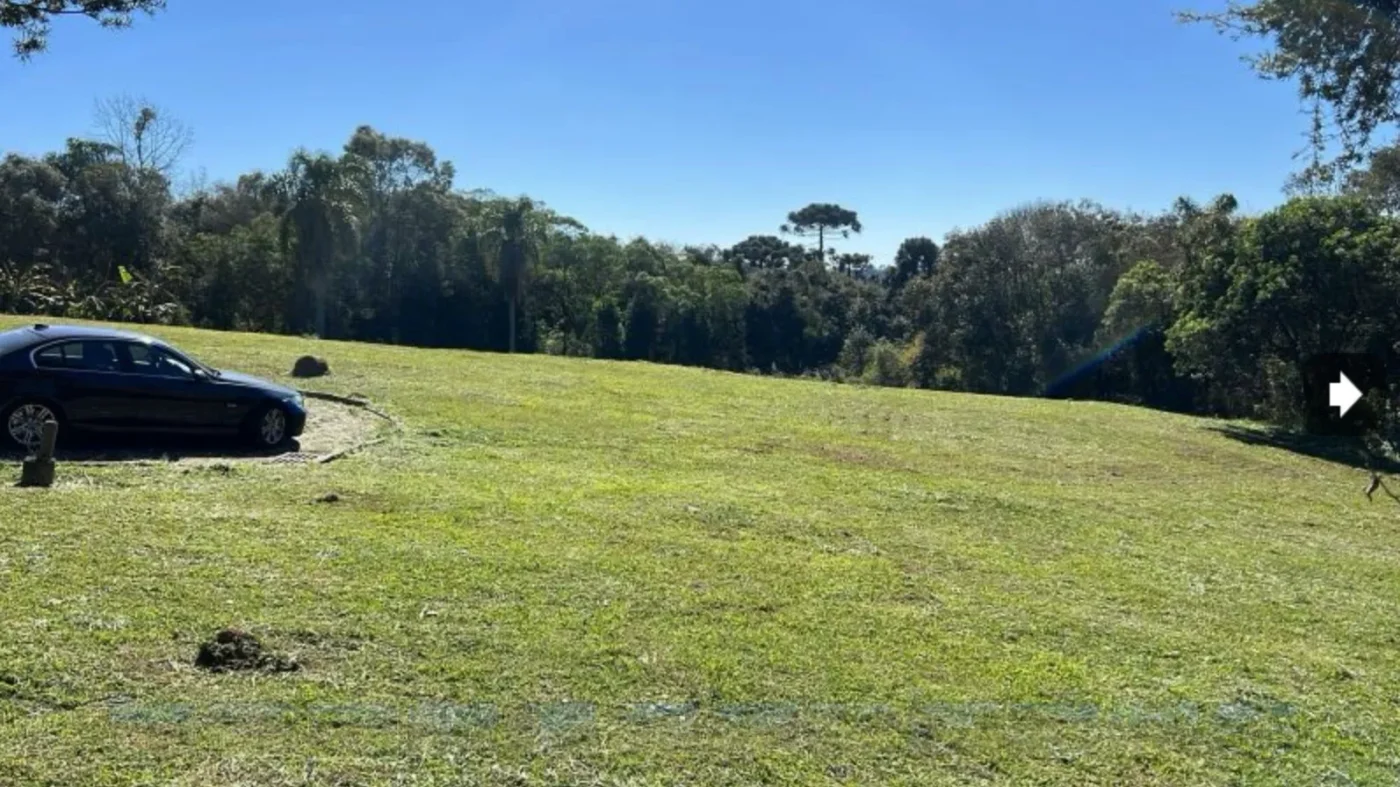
1343 394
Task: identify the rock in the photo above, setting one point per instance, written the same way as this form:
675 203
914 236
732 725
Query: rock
232 649
329 497
310 366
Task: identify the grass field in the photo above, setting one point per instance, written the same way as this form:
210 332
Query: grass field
580 572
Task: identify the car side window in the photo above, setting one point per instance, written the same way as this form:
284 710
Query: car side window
87 356
146 359
141 360
52 357
96 357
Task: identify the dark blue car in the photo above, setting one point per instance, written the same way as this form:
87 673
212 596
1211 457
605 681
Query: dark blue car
101 380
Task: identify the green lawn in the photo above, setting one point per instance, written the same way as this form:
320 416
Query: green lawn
583 572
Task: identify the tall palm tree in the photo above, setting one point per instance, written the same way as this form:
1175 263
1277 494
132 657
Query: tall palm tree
511 241
511 234
319 198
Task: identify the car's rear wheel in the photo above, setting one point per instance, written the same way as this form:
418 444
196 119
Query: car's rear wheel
269 427
24 423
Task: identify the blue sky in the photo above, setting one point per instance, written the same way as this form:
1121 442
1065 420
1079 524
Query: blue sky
705 120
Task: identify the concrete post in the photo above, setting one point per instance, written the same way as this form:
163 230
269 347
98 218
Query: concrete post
38 470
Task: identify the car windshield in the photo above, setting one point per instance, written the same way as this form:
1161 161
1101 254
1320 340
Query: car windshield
189 359
183 359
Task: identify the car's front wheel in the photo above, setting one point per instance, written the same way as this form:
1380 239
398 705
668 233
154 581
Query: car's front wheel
269 427
24 423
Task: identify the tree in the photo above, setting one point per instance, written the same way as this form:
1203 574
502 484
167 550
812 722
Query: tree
916 257
109 215
643 321
819 219
512 246
513 235
1379 182
1319 274
855 264
1142 298
855 353
320 197
1138 368
32 19
1017 302
144 136
31 208
763 252
1344 56
607 330
407 222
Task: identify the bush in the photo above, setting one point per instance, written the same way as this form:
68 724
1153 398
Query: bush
556 342
855 354
885 365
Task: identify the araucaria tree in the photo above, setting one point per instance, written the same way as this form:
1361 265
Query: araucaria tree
819 220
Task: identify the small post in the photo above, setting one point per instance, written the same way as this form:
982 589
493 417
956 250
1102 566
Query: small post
38 470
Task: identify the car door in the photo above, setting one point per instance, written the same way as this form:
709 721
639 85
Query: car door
167 394
82 376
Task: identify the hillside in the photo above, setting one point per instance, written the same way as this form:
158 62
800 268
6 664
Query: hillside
577 572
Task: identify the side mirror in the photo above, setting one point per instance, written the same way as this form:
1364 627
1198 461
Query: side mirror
199 376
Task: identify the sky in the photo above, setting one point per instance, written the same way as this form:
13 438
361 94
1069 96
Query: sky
704 121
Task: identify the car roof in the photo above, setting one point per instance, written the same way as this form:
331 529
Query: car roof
30 335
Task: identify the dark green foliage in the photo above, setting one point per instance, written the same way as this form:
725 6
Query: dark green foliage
916 257
819 220
1139 370
764 252
855 353
1016 303
317 199
1193 309
31 19
1344 56
860 265
1379 182
886 366
607 340
643 322
1315 275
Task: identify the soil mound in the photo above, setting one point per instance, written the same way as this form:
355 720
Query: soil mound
232 650
310 366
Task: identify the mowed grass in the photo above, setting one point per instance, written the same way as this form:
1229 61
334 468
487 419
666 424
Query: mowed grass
584 572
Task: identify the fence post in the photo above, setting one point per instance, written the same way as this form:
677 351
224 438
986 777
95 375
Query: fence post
38 470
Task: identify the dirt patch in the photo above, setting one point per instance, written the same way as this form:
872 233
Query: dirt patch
232 650
332 427
849 455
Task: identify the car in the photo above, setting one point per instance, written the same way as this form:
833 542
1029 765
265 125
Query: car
91 379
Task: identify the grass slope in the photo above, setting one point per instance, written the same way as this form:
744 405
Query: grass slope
582 572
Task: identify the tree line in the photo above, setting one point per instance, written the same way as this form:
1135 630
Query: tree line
1196 308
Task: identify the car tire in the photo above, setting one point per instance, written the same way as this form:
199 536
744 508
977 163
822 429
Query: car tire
269 427
21 425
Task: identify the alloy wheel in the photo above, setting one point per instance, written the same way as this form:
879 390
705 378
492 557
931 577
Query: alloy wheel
273 427
26 424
